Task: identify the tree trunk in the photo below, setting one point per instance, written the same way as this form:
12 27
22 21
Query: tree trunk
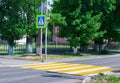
75 50
10 49
101 48
107 45
70 48
81 47
95 47
29 47
38 43
86 47
118 45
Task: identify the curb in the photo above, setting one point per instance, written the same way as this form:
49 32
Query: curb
87 79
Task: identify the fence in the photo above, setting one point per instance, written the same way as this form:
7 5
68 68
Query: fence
52 48
58 49
18 49
3 48
21 48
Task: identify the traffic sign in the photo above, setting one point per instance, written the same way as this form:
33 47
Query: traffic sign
41 21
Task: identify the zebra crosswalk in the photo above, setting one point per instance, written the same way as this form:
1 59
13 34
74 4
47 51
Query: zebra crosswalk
69 68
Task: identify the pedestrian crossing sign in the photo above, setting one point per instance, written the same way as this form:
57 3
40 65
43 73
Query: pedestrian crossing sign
41 21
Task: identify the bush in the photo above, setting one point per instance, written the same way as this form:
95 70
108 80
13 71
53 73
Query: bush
104 52
101 78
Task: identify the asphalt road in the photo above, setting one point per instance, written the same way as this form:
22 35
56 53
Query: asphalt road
17 75
109 61
10 73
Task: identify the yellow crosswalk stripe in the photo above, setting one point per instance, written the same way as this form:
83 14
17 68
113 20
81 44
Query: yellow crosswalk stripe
53 66
86 68
60 67
96 71
42 65
68 68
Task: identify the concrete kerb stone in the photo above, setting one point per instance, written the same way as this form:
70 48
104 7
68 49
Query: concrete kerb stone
71 81
87 79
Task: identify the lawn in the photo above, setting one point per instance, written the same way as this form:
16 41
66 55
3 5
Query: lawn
101 78
49 57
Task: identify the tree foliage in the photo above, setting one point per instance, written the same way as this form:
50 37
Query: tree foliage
82 22
12 20
30 9
106 7
112 24
57 20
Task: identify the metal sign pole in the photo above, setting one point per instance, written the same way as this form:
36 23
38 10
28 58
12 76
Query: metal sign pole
41 34
46 32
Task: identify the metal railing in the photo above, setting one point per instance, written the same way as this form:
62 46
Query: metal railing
52 48
18 49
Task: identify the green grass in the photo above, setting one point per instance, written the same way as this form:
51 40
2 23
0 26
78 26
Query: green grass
4 52
101 78
49 57
19 51
58 46
115 52
105 52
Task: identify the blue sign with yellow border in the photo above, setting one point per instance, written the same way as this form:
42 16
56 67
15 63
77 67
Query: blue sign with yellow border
41 21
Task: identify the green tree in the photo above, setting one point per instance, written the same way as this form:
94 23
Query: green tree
11 21
106 7
56 20
113 25
30 9
82 23
26 10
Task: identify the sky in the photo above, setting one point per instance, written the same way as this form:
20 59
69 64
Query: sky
50 3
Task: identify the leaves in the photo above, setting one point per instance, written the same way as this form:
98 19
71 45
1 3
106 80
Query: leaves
18 18
82 26
12 24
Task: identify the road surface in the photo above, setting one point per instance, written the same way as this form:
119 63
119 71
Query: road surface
67 71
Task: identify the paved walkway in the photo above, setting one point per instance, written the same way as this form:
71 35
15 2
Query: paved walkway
10 60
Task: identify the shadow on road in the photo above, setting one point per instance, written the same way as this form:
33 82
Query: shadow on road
62 75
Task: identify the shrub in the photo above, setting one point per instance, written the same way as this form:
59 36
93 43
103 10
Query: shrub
101 78
104 52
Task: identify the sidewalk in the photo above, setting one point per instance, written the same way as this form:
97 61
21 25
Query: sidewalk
11 60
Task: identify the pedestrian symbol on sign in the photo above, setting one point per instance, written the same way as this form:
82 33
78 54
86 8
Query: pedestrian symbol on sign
41 21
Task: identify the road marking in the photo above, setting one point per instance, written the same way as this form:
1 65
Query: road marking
69 68
92 72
